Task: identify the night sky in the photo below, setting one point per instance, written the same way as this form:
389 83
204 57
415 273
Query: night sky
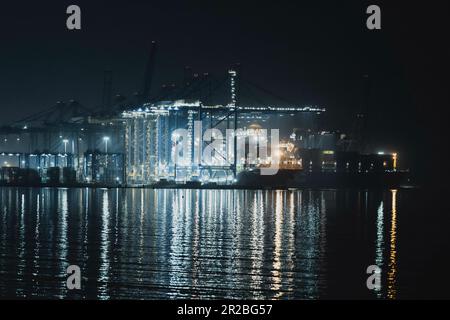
308 52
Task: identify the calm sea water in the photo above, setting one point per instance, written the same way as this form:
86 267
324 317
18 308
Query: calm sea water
145 244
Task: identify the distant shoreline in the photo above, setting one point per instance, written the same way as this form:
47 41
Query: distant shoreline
209 187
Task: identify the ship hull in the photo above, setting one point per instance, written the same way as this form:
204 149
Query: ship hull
299 178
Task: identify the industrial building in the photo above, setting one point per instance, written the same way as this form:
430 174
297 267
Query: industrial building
139 146
136 143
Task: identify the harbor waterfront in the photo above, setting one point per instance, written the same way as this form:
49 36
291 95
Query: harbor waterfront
220 159
208 244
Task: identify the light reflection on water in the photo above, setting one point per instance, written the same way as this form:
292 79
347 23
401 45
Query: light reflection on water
144 243
393 249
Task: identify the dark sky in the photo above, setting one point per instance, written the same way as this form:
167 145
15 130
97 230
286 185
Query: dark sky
309 52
